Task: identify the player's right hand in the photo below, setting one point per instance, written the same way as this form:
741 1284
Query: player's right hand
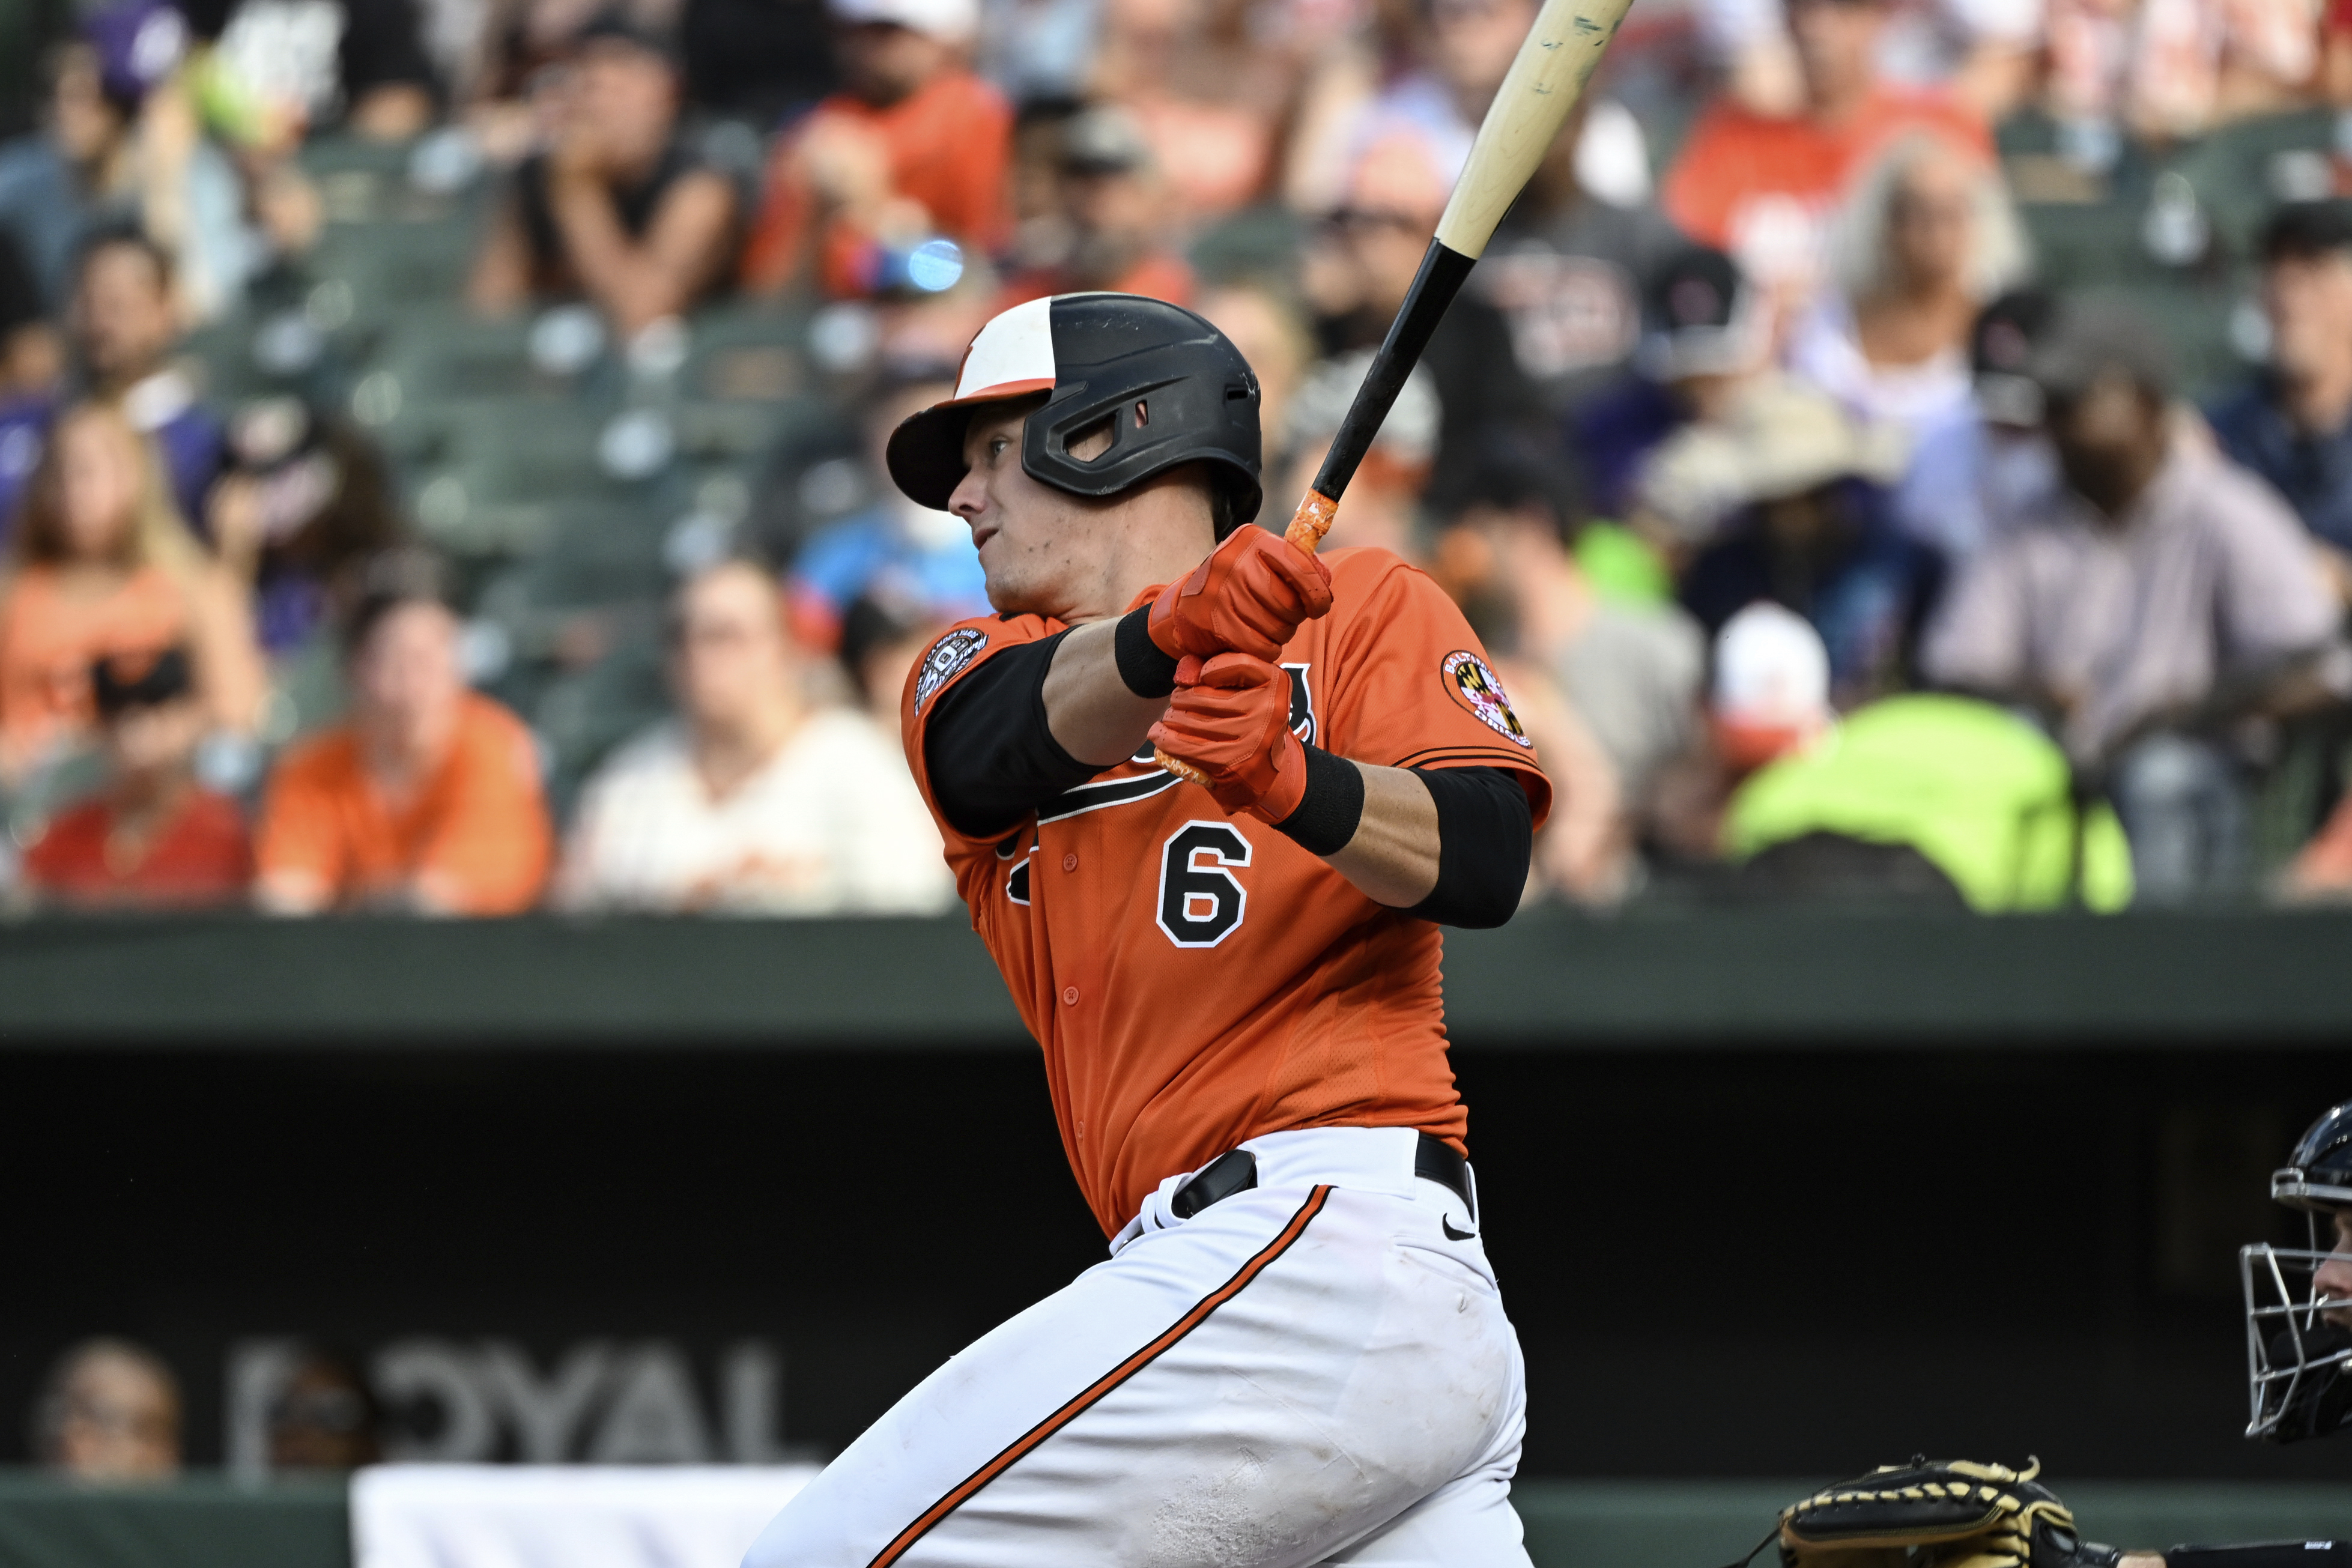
1248 597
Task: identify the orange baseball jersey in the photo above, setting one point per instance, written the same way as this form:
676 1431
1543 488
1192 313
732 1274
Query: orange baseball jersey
1198 980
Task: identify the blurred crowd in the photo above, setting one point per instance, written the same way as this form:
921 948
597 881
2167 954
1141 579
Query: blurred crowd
1822 547
110 1411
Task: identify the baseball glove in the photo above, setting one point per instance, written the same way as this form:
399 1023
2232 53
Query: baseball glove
1946 1514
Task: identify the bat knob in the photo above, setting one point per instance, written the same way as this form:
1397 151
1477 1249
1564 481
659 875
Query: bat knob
1181 769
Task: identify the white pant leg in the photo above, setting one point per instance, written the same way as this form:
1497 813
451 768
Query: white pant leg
1261 1385
1468 1522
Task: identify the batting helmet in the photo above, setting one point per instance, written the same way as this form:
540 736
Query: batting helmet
1169 387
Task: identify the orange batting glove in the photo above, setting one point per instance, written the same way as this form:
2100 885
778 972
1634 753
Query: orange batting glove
1248 597
1231 720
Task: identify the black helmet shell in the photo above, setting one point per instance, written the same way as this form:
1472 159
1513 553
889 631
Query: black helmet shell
1169 387
2318 1173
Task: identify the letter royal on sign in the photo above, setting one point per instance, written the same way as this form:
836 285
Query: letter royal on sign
599 1401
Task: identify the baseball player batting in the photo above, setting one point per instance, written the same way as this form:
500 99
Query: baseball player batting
1295 1353
1210 798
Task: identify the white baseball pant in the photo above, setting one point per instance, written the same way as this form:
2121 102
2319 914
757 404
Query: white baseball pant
1315 1371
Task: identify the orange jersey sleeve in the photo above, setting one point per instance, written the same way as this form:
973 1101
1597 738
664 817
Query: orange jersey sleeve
1195 980
1412 687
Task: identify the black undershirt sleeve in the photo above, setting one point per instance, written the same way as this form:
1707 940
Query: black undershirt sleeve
989 751
1485 837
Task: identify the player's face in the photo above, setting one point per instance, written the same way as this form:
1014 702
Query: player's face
2333 1279
1044 551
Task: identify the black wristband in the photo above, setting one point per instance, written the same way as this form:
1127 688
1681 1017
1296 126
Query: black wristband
1331 809
1148 672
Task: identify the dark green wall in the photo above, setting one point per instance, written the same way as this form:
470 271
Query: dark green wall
1769 1196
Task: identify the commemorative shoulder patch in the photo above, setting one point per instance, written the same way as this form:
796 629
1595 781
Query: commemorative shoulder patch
949 654
1471 681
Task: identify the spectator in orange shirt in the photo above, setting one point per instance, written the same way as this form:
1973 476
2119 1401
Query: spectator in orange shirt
427 797
1111 230
151 838
104 566
914 148
1761 186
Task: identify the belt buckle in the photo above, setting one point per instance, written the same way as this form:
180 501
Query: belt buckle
1233 1170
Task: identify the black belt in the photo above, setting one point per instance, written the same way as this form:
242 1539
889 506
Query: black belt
1235 1170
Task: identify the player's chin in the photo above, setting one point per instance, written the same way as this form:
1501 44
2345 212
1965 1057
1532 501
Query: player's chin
1011 592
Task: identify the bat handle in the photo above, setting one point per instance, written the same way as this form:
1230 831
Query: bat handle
1313 519
1307 526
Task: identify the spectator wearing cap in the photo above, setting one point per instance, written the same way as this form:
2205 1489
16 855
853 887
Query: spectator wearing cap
1763 186
151 837
426 798
1974 474
103 566
914 148
619 208
1114 229
2163 595
1784 500
1926 238
2293 425
1707 335
894 549
108 1411
754 800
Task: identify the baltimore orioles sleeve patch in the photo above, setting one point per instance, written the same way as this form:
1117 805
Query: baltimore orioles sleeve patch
946 660
1472 683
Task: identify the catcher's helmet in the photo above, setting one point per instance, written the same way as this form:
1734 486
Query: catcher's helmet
1171 388
2299 1331
2317 1177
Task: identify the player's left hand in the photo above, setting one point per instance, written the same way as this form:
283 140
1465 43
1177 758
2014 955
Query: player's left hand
1231 720
1248 596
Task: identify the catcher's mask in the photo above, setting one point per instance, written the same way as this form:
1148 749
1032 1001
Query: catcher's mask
1167 386
2299 1330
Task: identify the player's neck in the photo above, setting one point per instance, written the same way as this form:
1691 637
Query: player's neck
1159 533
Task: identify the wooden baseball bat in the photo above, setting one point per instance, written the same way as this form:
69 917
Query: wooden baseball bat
1545 81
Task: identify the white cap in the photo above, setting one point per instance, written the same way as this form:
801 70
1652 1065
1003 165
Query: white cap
1772 670
950 21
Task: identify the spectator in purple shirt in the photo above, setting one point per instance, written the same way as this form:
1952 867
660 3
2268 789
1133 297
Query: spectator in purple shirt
124 326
